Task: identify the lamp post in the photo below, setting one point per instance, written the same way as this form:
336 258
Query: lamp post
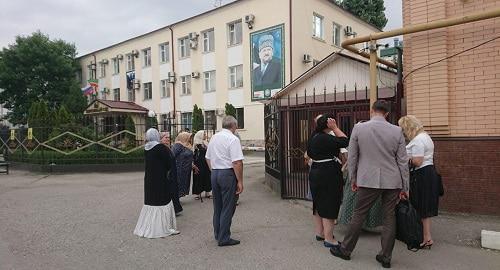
151 114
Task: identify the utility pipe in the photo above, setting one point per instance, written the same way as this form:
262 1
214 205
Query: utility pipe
347 44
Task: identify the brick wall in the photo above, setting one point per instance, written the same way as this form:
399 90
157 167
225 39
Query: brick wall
471 174
459 96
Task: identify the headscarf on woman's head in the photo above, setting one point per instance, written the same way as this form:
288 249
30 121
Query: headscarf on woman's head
152 139
184 139
199 138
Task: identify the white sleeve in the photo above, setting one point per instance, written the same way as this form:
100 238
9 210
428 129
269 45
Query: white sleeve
417 148
235 150
208 155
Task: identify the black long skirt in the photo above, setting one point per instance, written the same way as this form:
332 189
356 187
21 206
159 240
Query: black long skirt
424 191
326 188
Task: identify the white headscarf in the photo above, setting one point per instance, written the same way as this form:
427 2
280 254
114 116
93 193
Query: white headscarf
199 138
152 139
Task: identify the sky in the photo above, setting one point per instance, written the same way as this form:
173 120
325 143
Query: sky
95 24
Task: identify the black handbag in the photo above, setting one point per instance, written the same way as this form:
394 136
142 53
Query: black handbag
409 228
440 184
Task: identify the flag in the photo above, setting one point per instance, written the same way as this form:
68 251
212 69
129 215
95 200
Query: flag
88 90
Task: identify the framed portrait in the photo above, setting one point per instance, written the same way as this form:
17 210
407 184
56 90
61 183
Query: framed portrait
267 58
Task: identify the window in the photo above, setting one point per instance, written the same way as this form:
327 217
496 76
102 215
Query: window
336 34
148 90
186 120
165 88
79 76
164 53
184 47
131 95
102 69
210 120
317 26
186 85
240 116
236 76
130 62
209 80
208 41
234 30
91 72
146 57
116 65
116 94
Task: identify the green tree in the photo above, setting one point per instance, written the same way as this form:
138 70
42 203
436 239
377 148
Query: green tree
40 120
198 121
371 11
230 110
36 68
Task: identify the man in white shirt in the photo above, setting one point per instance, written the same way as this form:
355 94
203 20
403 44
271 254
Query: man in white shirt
225 159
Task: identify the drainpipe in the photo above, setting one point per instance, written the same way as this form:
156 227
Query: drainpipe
173 66
348 44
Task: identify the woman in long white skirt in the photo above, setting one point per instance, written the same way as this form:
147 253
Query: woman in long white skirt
157 218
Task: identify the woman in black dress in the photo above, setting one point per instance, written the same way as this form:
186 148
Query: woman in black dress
172 174
326 176
157 218
201 172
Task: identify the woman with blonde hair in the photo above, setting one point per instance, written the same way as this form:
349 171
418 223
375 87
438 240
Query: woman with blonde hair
425 184
201 172
183 154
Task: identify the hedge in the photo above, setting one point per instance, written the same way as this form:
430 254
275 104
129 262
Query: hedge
44 157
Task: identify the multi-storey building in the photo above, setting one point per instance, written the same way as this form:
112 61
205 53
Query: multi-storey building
214 58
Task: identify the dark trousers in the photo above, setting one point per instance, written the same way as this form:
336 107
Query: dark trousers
224 197
365 199
175 196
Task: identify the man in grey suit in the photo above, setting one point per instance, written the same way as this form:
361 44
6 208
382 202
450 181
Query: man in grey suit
378 166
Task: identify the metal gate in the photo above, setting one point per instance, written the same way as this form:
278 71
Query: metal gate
289 122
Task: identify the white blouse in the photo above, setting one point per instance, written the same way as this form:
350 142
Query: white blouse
421 146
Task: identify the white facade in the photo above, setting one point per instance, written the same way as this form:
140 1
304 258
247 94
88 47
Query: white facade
218 42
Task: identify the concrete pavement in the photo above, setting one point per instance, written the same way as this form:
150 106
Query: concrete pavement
85 221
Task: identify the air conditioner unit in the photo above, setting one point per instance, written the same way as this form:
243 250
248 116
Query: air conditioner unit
348 31
193 35
135 53
137 84
104 61
119 57
171 77
220 112
250 18
195 75
193 44
307 58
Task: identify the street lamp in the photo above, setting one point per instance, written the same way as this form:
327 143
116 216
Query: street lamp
151 114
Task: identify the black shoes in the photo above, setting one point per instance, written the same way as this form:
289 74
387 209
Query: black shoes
231 242
337 252
383 261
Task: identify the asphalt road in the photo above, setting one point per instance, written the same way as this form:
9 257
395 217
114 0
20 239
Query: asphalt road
85 221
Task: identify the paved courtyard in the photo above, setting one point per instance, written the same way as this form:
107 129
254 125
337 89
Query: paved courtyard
85 221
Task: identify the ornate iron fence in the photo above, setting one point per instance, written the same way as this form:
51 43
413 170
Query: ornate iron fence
87 143
289 121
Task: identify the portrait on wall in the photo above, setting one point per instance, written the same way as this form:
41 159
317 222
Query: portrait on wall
267 56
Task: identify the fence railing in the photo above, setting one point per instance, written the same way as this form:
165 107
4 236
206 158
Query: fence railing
82 144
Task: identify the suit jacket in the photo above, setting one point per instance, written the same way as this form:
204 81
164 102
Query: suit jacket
377 156
271 79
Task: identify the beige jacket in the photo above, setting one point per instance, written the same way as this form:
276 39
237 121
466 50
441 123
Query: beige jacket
377 156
